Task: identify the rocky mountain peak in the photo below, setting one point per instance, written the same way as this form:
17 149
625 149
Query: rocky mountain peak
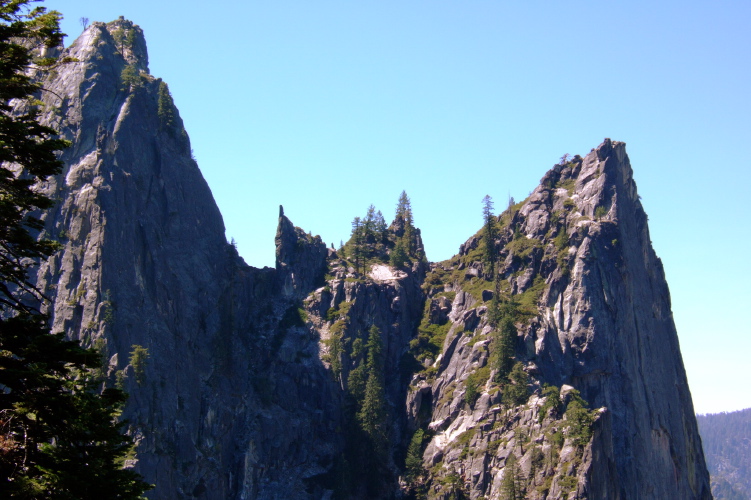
300 258
126 38
592 313
557 366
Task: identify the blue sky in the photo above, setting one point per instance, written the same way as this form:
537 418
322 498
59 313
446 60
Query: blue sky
328 106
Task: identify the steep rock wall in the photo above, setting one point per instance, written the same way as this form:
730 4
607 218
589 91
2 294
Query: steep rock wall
595 316
223 402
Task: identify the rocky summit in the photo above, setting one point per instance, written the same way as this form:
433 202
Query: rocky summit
540 362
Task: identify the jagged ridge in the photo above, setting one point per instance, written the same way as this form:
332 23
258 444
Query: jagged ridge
239 399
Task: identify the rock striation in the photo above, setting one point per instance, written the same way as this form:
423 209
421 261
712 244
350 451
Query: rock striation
578 252
248 389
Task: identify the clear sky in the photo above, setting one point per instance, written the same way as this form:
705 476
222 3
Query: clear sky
326 107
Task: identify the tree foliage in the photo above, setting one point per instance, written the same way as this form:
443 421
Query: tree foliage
356 252
516 391
372 415
726 439
398 256
413 461
363 470
513 485
27 148
334 354
367 240
130 78
490 233
138 357
552 395
504 347
165 107
579 419
372 241
404 208
406 230
59 435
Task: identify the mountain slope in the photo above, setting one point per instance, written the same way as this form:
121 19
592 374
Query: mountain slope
726 438
594 315
256 381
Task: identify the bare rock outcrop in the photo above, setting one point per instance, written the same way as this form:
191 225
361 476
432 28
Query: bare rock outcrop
593 313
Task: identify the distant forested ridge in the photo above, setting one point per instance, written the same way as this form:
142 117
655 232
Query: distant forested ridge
727 449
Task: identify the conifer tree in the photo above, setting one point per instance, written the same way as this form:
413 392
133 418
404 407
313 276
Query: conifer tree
516 392
165 107
369 222
398 255
579 419
334 355
410 241
494 311
489 235
404 217
27 145
372 415
504 346
368 238
380 226
356 382
512 484
413 461
403 207
357 243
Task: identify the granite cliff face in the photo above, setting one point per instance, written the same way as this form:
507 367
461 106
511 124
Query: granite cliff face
578 252
145 263
247 388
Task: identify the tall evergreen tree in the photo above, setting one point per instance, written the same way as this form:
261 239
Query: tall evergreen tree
405 219
495 310
372 413
59 437
489 235
403 207
413 461
410 238
504 346
380 226
357 243
369 222
512 484
398 255
516 391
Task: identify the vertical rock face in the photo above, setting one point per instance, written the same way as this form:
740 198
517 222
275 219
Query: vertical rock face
619 344
145 260
300 258
595 316
145 263
245 392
